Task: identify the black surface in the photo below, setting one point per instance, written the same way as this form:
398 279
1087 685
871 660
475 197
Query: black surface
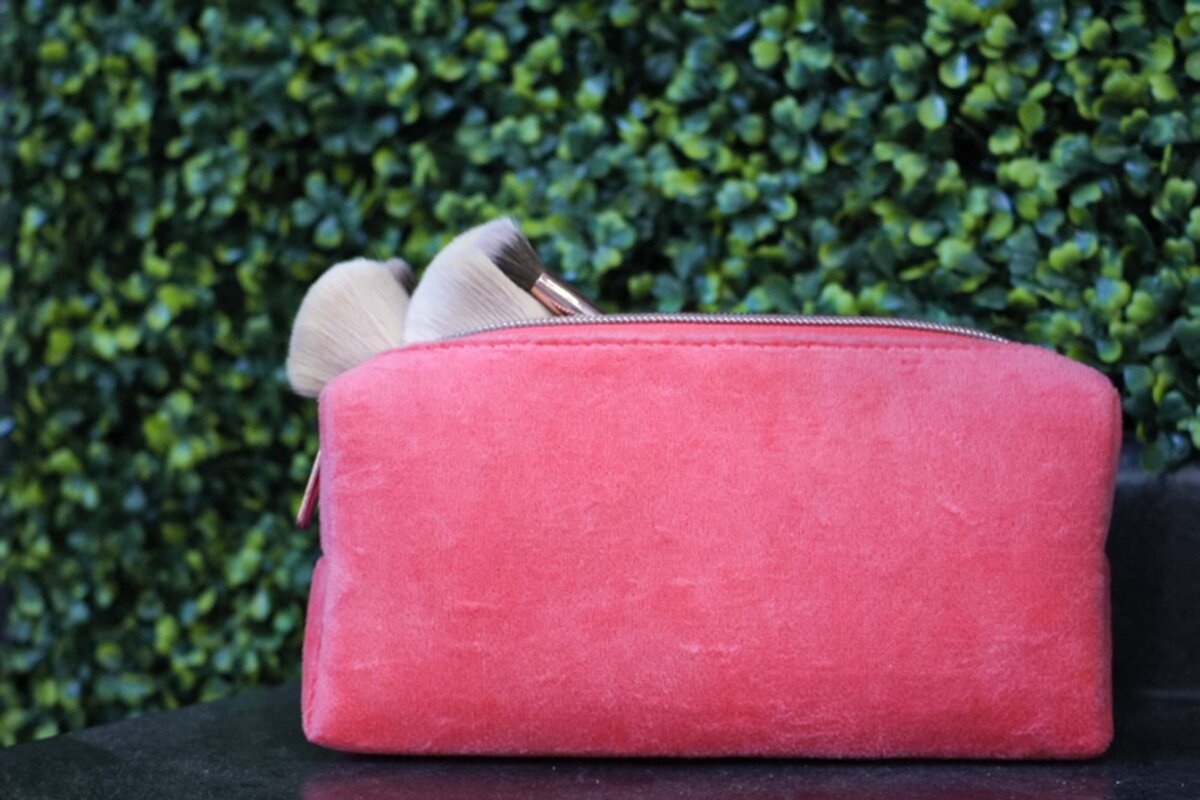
251 746
1154 551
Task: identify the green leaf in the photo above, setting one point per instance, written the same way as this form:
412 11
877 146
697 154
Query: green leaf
58 347
1096 35
1187 333
328 233
1160 54
1141 308
1192 66
923 233
1006 140
1063 46
54 51
765 53
1001 31
932 112
1031 115
955 71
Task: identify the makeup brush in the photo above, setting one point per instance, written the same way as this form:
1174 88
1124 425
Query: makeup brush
470 284
462 289
402 272
505 245
353 311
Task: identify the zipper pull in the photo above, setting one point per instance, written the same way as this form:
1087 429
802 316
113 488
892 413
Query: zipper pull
308 503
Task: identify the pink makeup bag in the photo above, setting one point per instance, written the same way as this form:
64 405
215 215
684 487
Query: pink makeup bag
711 536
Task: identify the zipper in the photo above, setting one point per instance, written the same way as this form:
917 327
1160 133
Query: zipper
742 319
309 502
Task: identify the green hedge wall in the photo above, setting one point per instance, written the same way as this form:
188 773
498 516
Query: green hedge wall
173 174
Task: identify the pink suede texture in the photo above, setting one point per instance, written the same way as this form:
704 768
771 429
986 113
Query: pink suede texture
714 540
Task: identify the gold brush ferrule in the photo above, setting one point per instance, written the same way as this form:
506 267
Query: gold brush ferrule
560 298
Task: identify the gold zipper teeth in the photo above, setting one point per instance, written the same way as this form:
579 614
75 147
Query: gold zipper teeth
744 319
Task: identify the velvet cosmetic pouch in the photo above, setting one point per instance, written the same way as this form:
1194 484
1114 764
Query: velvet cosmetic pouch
711 536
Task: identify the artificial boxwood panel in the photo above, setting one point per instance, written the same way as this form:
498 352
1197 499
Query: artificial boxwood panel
173 174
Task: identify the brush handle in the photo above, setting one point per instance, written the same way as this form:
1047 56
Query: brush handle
556 295
308 503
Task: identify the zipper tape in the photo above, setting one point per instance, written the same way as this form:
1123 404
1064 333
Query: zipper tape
741 319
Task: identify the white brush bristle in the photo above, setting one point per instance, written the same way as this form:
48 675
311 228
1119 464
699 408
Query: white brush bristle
462 289
492 236
355 310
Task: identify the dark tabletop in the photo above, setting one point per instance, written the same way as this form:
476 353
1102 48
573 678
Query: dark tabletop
252 746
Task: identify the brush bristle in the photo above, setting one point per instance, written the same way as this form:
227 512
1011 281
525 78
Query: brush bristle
505 245
402 272
355 310
463 289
